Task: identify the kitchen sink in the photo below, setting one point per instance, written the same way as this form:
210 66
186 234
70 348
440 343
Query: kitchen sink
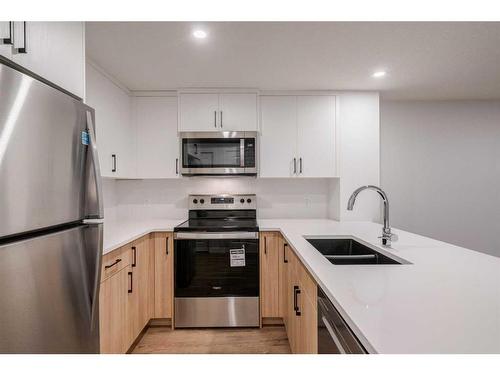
349 251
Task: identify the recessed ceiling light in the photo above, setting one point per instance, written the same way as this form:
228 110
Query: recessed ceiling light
379 74
199 34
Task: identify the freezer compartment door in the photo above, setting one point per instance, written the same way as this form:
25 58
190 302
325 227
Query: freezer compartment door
43 152
49 293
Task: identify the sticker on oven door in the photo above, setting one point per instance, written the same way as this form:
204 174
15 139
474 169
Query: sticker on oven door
237 257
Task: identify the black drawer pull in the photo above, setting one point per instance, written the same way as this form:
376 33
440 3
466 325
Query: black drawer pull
265 245
113 264
284 253
131 282
296 292
113 168
134 257
166 245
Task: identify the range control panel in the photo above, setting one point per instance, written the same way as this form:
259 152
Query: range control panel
223 202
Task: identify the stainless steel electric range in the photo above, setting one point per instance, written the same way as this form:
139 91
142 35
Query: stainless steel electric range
216 263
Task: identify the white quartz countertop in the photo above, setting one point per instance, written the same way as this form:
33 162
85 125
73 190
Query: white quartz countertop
120 232
446 301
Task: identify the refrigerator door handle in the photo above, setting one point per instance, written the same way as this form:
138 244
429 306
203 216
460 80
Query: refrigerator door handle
94 303
95 163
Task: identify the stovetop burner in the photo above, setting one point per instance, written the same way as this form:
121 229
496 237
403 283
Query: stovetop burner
221 213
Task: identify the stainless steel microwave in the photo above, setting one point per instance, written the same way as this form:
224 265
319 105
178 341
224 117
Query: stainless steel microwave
218 153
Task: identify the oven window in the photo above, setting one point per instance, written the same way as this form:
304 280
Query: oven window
203 268
211 153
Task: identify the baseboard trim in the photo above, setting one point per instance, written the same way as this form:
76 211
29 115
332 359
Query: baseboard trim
272 322
161 322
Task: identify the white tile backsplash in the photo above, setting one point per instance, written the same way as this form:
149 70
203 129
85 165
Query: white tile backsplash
276 198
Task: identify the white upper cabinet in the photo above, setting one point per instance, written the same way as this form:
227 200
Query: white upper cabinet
316 136
198 112
115 130
298 136
157 140
238 112
216 111
53 50
278 140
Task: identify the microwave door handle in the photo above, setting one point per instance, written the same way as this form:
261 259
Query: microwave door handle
242 152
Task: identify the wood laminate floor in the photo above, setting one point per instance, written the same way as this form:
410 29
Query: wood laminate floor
164 340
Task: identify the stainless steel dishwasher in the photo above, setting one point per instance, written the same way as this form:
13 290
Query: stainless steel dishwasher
334 335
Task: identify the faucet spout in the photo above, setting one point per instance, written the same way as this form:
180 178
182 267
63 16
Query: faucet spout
386 230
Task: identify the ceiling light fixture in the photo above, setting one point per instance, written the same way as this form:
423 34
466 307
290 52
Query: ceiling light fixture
199 34
379 74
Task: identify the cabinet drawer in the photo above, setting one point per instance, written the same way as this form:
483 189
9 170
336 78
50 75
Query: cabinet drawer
115 261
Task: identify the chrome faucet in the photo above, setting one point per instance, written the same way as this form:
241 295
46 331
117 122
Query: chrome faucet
387 236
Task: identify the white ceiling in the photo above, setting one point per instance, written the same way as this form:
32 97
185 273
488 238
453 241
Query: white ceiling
423 60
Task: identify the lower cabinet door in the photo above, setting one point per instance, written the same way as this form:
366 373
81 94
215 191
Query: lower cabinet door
269 267
283 277
163 244
113 297
308 330
139 304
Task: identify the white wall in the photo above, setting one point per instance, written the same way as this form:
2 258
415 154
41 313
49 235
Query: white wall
276 198
358 157
440 165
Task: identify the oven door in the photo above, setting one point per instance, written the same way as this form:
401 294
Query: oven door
218 153
216 279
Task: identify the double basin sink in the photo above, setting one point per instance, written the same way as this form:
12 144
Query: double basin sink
349 251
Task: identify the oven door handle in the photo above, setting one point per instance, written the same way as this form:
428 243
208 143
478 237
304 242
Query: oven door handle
216 235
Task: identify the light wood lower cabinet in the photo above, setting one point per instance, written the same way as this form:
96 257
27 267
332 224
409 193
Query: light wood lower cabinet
127 293
141 297
269 281
164 275
113 297
289 292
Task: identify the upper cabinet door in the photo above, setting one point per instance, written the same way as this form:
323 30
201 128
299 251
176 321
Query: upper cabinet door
316 136
115 130
199 112
238 112
278 141
157 140
54 51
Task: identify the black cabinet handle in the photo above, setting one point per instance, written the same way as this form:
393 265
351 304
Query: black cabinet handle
294 165
284 253
134 257
215 119
113 168
22 49
221 119
296 292
166 246
131 281
9 39
265 245
176 165
112 264
300 165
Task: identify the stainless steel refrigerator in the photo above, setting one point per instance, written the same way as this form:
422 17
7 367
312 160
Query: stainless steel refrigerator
50 190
